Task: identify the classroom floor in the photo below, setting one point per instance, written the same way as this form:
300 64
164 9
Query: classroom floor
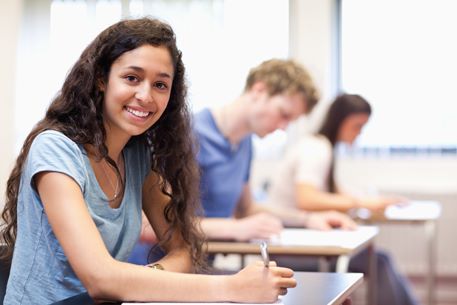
445 294
446 289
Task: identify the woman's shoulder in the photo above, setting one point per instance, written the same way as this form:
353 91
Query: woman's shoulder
52 136
314 142
54 142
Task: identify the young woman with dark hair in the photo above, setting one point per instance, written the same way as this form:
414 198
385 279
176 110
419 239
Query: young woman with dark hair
115 142
311 162
305 180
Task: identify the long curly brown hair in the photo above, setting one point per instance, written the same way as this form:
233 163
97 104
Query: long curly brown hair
77 112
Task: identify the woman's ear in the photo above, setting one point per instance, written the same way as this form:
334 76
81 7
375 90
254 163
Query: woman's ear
101 85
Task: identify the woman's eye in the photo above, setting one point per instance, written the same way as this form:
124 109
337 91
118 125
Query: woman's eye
161 85
131 78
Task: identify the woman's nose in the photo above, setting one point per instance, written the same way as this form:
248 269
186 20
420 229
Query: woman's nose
143 94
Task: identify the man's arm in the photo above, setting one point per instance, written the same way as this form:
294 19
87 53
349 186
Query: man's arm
294 217
247 224
312 199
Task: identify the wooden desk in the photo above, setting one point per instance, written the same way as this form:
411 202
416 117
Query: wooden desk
337 244
425 213
304 242
312 289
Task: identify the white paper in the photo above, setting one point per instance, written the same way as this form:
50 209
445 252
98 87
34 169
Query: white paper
336 238
414 210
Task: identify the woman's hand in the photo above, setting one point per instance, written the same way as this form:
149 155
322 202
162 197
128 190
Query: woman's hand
259 284
379 204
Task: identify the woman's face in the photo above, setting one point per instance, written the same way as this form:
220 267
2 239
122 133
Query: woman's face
137 91
351 127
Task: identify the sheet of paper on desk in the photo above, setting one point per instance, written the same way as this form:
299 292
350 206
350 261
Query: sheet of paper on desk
336 237
278 302
415 210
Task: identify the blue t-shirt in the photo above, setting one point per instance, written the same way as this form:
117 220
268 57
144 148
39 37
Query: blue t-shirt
40 271
224 167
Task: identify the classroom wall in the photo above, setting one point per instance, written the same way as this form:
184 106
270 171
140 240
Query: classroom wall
312 43
10 16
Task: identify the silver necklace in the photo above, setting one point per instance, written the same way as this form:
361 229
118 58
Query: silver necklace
116 189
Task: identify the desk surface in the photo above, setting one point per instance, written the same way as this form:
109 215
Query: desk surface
414 211
322 288
312 289
304 242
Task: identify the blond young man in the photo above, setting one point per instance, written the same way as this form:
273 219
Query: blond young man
276 93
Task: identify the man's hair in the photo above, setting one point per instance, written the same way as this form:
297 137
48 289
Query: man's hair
284 76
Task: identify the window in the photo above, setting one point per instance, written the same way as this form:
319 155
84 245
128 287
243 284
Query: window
220 40
401 56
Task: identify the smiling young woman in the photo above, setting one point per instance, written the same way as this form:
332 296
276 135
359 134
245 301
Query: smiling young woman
115 143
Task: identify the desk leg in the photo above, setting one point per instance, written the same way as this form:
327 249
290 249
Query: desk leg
323 264
430 232
242 261
342 263
372 274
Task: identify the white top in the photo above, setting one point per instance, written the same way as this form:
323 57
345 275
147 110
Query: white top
308 161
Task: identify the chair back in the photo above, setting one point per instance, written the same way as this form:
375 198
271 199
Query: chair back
4 274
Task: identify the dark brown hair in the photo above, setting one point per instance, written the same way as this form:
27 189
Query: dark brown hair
77 112
343 106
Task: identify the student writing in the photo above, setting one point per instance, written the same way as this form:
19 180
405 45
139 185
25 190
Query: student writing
113 143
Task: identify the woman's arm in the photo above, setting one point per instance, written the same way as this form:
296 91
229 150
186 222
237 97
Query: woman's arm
312 199
109 279
147 234
154 202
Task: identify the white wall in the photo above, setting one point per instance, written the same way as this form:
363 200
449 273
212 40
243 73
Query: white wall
312 42
10 16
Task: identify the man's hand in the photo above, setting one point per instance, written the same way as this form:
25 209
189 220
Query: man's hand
260 225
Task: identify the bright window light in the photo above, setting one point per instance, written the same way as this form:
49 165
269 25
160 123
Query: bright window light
401 56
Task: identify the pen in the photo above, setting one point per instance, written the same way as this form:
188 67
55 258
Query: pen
264 253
